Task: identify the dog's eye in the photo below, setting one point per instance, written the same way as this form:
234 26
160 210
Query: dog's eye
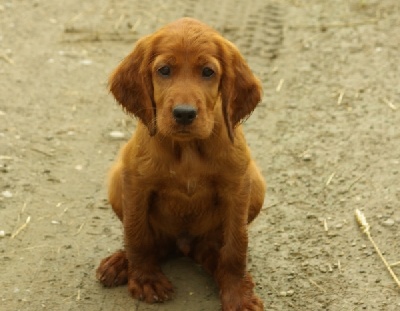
165 71
207 72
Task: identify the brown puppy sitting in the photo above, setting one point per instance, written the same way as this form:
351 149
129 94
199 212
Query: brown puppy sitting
185 180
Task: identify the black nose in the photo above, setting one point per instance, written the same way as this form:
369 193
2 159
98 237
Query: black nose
184 114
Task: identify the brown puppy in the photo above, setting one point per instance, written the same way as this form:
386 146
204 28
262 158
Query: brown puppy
185 180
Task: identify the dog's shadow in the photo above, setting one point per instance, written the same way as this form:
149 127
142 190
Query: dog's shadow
195 290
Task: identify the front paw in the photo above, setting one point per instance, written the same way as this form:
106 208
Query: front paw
239 296
242 303
150 287
113 270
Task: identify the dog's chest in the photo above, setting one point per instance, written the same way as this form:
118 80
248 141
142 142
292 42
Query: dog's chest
186 197
189 183
186 182
190 208
189 171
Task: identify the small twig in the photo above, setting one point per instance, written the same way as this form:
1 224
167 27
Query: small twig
390 104
317 286
21 212
340 98
280 84
68 297
23 208
362 221
21 228
325 225
136 25
330 179
354 182
35 247
64 211
395 264
7 59
79 229
3 157
119 21
42 152
75 18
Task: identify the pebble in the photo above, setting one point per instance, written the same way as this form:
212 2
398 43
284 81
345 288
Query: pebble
307 157
86 62
2 233
288 293
117 135
7 194
311 216
388 222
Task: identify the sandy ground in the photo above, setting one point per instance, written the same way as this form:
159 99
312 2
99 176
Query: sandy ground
327 137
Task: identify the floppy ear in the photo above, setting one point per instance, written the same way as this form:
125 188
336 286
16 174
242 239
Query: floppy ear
132 86
240 89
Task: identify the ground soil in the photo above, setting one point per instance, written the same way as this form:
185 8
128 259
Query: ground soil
327 137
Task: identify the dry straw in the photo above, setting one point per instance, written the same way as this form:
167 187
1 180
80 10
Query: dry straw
362 221
23 226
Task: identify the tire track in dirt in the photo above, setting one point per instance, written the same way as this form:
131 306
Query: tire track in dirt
257 30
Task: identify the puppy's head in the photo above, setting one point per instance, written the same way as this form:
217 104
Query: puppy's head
174 78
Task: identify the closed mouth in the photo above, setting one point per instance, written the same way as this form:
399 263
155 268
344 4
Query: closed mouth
185 132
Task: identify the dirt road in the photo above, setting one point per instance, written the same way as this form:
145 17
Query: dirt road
327 137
